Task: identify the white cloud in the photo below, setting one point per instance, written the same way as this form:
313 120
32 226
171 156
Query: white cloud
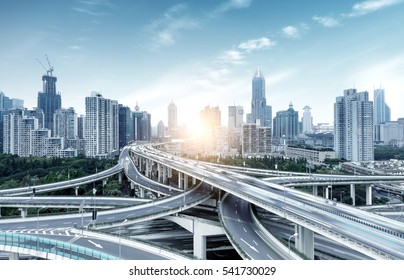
369 6
75 47
232 57
326 21
165 30
290 32
231 5
256 44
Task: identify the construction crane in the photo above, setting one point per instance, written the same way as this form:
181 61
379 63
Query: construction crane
48 71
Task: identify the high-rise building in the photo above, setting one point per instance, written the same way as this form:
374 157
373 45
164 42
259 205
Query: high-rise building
353 126
210 117
381 111
5 102
65 125
141 125
307 120
160 130
172 123
80 126
256 140
260 111
235 123
49 100
17 129
125 125
286 126
101 126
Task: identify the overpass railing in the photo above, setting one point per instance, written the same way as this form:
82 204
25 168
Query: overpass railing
51 246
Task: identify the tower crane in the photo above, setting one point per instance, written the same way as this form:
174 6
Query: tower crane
48 71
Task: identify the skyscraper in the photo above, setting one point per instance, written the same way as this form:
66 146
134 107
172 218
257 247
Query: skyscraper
141 125
49 100
307 120
286 125
353 126
101 126
381 111
65 125
160 130
125 125
260 111
235 123
172 120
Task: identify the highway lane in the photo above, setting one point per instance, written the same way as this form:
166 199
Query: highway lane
111 217
237 219
270 195
69 202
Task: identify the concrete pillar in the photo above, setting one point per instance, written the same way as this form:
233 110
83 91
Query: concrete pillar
13 256
141 191
0 211
76 191
169 173
352 192
304 242
104 182
193 181
23 212
185 181
179 180
132 185
120 177
315 190
199 246
140 165
164 175
369 195
328 192
158 172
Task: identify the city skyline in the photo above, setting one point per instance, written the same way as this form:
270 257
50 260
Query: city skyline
203 53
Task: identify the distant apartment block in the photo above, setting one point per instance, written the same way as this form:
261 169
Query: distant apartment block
101 126
313 156
353 126
256 140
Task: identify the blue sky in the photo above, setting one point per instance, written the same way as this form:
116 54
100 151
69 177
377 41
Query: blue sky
200 53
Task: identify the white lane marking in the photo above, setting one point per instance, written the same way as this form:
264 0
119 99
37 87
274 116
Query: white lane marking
238 220
255 242
245 230
95 244
252 247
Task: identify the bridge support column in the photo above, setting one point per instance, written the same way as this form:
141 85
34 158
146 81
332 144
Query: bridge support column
159 179
369 195
315 190
328 192
193 181
352 192
120 177
179 180
0 211
76 191
305 241
104 182
13 256
199 246
141 192
164 175
185 181
23 212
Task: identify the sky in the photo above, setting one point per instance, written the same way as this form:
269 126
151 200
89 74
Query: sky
199 53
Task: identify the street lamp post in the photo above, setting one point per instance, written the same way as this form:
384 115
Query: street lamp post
119 228
293 235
